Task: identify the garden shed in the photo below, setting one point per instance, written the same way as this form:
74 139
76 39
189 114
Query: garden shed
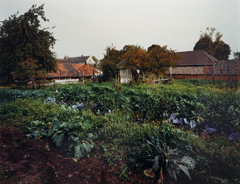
125 72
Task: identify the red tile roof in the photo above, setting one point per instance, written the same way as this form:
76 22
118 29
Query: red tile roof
72 70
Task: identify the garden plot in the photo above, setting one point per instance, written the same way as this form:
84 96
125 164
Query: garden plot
97 120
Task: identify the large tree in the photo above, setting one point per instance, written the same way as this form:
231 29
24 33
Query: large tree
134 57
155 60
109 61
22 37
28 70
215 47
159 58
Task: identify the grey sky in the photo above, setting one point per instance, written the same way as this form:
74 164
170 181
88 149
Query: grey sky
86 27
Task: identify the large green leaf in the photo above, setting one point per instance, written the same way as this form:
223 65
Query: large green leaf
58 138
185 170
189 161
50 132
36 123
84 149
172 172
156 165
77 152
64 125
36 134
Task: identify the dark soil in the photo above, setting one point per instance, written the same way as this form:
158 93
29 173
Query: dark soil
25 160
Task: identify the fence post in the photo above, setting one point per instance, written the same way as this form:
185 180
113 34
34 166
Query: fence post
205 70
212 73
238 69
221 71
228 70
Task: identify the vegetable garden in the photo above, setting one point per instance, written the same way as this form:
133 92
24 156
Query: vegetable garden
183 131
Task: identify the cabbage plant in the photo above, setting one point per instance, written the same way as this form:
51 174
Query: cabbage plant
168 160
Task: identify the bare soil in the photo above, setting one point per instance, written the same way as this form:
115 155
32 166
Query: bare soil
25 160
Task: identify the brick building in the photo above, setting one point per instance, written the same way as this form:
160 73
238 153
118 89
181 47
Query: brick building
201 65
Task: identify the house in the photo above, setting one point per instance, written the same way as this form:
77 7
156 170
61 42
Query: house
73 68
194 65
87 60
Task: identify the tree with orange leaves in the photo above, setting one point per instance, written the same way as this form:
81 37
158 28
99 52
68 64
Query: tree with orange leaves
135 57
156 59
159 58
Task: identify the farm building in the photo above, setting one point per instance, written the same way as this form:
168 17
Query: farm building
75 67
70 70
224 70
193 65
87 60
201 65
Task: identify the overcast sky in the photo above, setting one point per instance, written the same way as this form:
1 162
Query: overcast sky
87 27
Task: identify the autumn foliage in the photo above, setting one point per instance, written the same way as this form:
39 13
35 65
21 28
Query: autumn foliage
135 57
154 60
158 58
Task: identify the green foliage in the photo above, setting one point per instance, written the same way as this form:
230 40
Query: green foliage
124 173
120 137
28 70
21 36
108 63
169 159
74 135
216 157
159 58
9 95
216 48
23 111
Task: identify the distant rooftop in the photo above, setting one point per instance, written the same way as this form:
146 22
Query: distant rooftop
193 58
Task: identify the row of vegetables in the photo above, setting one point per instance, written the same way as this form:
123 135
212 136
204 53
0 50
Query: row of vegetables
202 111
207 110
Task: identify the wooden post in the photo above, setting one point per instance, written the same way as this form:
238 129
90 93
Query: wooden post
212 72
221 71
205 69
238 69
228 70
